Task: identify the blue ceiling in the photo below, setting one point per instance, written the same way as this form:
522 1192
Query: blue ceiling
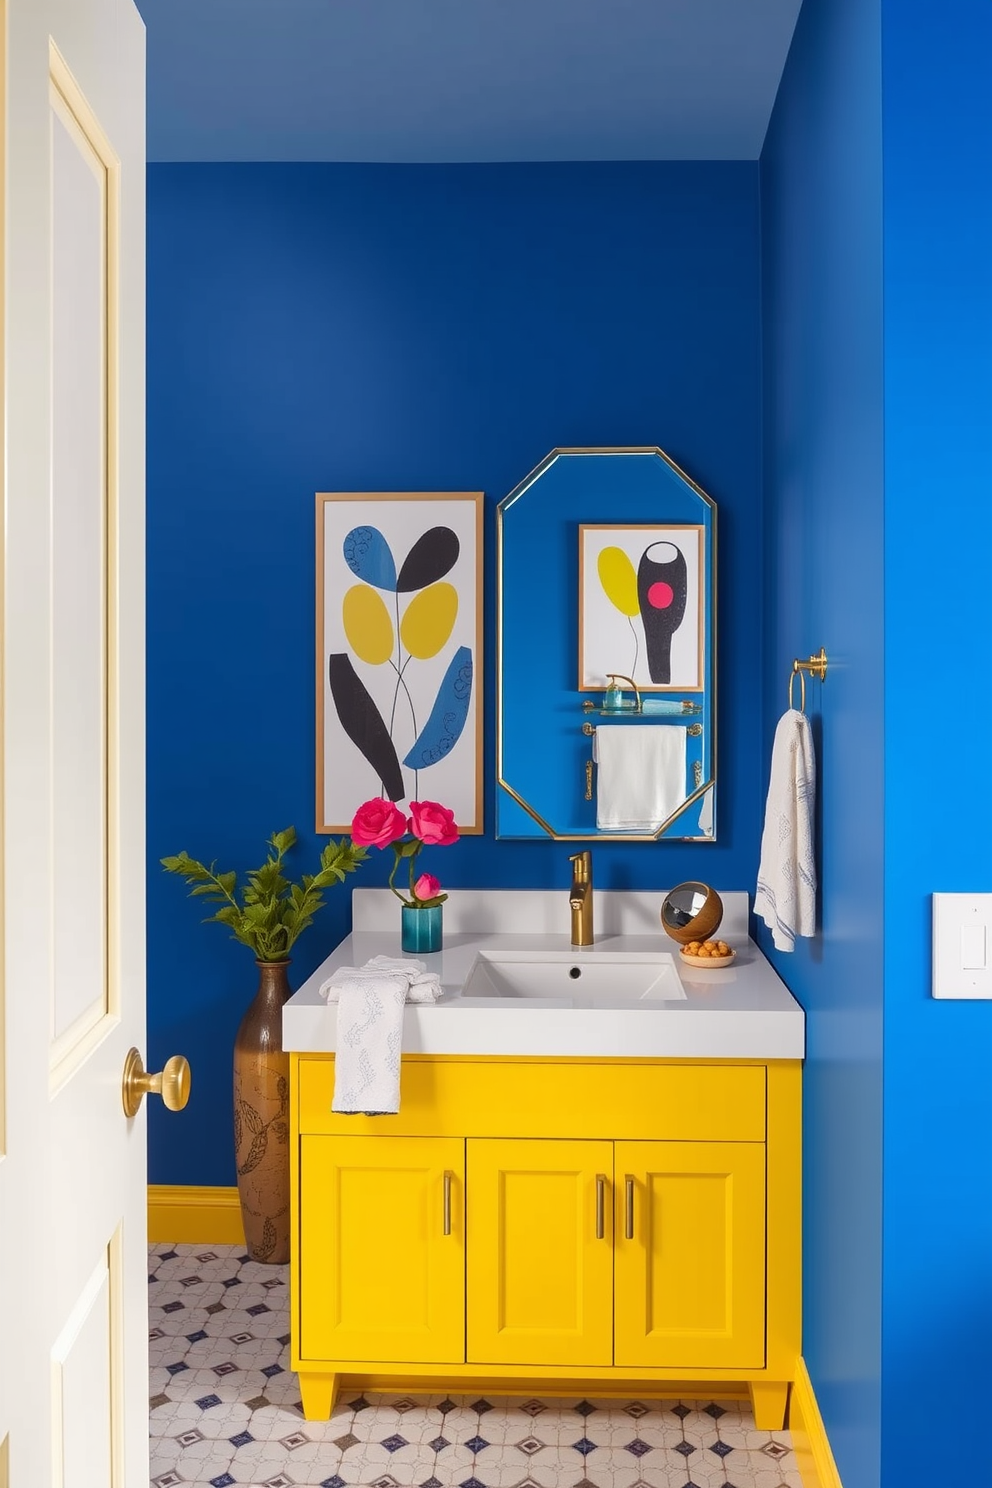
463 80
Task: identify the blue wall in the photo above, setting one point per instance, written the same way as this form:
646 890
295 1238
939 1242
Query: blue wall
405 328
822 277
937 130
898 1291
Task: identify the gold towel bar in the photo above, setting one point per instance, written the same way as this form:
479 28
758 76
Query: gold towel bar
693 729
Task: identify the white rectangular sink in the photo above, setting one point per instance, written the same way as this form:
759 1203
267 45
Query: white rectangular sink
507 990
566 979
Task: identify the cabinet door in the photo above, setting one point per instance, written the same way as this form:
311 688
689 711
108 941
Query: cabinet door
382 1259
690 1254
540 1265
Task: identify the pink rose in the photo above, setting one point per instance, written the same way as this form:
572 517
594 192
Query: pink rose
377 823
433 824
427 887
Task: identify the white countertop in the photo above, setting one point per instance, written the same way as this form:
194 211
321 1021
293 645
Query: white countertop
743 1011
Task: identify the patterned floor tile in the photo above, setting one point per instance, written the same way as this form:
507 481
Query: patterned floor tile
224 1410
768 1477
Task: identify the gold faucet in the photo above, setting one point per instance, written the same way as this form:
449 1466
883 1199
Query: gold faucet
580 899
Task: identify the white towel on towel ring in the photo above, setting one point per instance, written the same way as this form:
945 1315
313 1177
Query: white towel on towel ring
786 894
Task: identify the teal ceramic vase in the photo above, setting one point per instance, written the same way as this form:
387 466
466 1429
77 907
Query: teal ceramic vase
421 929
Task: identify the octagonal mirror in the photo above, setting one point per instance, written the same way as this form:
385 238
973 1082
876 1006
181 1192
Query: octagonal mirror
606 651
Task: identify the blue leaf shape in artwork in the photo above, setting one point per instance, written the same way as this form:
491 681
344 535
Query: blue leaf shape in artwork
440 733
367 554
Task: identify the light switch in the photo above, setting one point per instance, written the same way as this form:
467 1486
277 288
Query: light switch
973 947
961 928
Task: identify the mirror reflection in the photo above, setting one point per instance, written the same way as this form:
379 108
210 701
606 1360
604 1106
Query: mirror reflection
605 638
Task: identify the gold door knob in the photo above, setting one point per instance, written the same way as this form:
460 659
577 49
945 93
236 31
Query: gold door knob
172 1083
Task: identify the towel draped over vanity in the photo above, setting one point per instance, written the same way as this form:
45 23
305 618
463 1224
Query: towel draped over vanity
370 1001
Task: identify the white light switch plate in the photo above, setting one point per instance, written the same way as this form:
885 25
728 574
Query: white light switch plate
962 945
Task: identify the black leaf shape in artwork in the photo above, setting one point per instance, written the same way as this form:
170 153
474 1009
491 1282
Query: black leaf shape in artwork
362 722
433 555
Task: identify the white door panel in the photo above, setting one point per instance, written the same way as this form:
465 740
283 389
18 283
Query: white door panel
86 1420
73 1267
84 287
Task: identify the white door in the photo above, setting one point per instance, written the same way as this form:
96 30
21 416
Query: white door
73 1309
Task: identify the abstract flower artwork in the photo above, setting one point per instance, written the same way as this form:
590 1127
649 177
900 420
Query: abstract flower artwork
398 647
640 606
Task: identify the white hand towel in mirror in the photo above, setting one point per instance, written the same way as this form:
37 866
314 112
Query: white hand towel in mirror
786 896
706 814
641 778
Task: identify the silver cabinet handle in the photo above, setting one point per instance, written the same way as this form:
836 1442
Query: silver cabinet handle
447 1202
600 1206
629 1206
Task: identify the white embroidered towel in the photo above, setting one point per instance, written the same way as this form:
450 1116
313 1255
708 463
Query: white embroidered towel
423 985
786 895
369 1036
641 777
370 1002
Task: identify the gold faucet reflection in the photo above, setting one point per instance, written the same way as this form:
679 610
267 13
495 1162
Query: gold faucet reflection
580 898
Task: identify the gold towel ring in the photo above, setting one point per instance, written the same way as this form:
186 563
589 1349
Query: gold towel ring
802 687
816 666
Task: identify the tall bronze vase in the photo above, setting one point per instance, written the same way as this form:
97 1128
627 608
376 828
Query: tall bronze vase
261 1118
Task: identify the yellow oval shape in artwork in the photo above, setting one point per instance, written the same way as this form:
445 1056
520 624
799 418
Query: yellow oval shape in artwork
429 620
617 576
367 624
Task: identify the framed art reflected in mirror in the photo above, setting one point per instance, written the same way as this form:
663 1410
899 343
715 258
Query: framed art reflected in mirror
641 605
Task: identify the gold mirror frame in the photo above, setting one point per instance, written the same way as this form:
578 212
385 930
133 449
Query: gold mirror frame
710 688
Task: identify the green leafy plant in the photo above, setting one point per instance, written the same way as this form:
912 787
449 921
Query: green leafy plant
270 911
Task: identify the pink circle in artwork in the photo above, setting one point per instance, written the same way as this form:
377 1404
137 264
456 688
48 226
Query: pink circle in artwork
660 596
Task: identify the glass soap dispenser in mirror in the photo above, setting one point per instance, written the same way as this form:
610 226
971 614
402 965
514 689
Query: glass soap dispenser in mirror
607 596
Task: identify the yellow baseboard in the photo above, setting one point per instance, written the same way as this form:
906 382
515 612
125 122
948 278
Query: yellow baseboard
809 1439
194 1216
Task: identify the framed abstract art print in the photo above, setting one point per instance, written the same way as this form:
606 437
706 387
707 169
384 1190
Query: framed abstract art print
399 646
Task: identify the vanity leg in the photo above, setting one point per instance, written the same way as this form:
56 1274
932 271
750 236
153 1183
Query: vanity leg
318 1392
769 1402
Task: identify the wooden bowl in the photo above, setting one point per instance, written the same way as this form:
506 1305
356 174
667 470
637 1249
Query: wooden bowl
707 912
707 963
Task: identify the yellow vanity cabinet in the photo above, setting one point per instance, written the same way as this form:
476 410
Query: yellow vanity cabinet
690 1254
381 1247
539 1279
621 1225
